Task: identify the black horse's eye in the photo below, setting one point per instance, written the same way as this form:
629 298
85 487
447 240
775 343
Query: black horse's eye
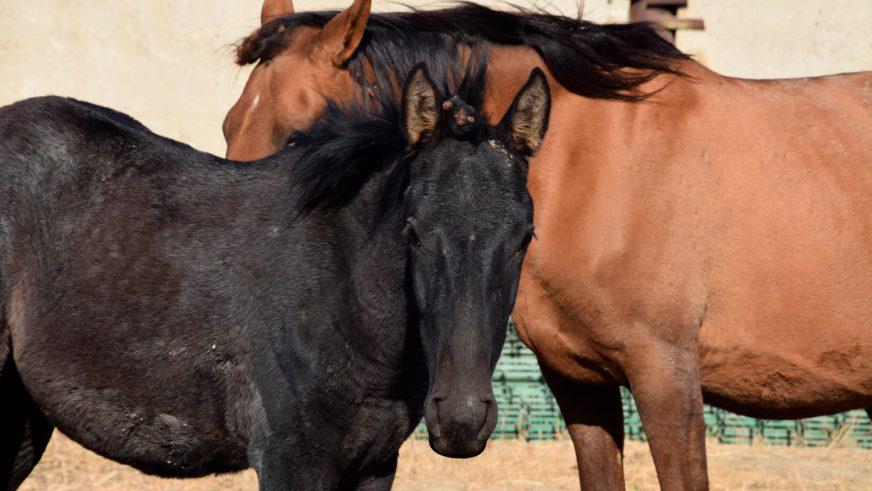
526 242
413 235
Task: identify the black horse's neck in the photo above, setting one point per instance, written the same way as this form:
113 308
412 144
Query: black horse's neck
352 304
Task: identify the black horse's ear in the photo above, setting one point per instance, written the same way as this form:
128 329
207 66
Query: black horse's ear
420 111
527 118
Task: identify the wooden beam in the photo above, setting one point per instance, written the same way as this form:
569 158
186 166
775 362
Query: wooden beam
667 3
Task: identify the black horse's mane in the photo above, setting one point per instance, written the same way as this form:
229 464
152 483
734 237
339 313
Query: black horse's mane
599 61
349 144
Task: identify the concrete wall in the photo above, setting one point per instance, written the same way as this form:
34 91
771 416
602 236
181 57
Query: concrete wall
169 62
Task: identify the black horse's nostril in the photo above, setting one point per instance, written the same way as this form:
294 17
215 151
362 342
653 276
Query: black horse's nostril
431 415
490 417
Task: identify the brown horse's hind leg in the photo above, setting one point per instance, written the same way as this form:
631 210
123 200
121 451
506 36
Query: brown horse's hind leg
595 420
24 431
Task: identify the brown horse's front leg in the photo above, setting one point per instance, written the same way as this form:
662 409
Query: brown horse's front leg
595 421
666 386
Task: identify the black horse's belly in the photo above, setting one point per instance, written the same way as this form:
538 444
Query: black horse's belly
154 442
161 444
140 377
170 418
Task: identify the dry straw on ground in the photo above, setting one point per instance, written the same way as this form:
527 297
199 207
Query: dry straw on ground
506 465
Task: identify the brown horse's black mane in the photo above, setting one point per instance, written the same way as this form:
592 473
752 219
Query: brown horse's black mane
592 60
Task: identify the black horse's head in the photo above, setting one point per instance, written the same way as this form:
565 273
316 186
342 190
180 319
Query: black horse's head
469 220
448 194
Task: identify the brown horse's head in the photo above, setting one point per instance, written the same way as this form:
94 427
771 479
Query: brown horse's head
304 59
300 68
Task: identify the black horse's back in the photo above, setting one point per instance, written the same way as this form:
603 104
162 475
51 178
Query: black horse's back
109 113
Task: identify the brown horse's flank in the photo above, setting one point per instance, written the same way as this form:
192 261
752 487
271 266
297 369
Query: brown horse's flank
711 242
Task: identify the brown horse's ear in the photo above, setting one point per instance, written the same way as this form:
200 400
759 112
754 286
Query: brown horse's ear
341 36
275 8
420 112
527 118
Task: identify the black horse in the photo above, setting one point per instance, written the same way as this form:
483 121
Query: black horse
188 315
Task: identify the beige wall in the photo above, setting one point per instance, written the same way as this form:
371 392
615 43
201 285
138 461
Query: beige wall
781 38
169 62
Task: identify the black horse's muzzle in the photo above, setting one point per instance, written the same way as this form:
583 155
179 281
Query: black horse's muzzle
460 426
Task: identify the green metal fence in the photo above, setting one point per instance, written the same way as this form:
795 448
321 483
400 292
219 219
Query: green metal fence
528 410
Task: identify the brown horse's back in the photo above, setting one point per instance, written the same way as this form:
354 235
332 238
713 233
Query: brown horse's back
728 214
787 330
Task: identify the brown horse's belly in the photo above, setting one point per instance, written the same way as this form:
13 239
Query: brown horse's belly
770 379
563 346
571 357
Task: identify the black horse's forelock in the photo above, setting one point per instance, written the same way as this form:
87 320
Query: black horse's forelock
607 61
350 143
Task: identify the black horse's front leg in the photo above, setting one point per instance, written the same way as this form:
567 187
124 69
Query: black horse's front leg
283 466
379 479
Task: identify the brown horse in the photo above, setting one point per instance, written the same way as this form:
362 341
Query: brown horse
700 237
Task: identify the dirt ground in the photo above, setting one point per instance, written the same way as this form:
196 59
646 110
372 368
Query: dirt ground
506 465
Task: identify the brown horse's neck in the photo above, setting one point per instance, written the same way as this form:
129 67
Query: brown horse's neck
588 139
511 66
